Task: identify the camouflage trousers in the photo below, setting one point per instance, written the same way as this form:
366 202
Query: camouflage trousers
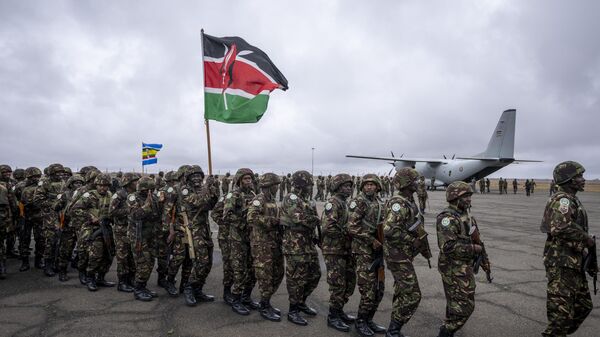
202 264
67 244
268 266
568 302
144 260
4 219
35 225
223 238
459 288
93 255
407 294
341 277
302 275
123 252
370 296
181 258
162 252
244 278
422 202
49 229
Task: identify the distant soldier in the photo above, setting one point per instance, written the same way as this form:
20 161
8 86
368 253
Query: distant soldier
225 182
552 187
327 187
501 185
282 186
265 242
487 185
568 245
515 186
482 186
8 213
460 245
527 187
217 183
68 231
532 182
288 183
505 186
299 219
366 214
422 193
337 252
433 188
32 215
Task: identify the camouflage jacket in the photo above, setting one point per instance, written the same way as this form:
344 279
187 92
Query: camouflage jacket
75 197
217 215
143 212
91 207
263 218
421 189
9 199
169 200
46 194
566 223
299 219
399 228
196 202
225 185
334 226
365 215
454 239
32 209
235 213
118 209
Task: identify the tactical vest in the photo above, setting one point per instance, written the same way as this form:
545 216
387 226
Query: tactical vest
287 223
415 213
581 218
374 214
345 213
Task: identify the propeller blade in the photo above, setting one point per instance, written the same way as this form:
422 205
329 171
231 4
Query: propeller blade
390 173
392 152
453 156
444 156
402 155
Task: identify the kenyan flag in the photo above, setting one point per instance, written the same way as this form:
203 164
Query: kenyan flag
238 78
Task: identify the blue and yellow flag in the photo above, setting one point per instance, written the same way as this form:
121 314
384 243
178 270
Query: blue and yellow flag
149 152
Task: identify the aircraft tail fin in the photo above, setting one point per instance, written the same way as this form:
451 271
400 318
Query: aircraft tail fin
502 142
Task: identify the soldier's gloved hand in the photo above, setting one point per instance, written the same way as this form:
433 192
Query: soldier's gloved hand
376 245
477 249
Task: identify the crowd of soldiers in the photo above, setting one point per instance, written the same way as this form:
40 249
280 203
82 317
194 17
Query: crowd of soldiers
89 218
484 186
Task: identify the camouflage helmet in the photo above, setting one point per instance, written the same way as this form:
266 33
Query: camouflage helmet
145 183
269 179
74 178
241 173
405 176
181 171
84 170
194 169
5 168
91 175
301 179
56 168
457 189
340 179
373 178
129 178
170 176
32 172
46 170
566 171
103 179
19 173
68 171
227 174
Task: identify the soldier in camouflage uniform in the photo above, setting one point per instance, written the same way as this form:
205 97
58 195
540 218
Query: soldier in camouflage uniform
299 219
119 212
422 194
196 201
566 224
265 243
282 187
402 230
366 213
327 187
10 230
164 236
68 232
235 214
457 252
336 246
33 220
8 212
223 238
288 183
320 189
225 182
143 220
45 197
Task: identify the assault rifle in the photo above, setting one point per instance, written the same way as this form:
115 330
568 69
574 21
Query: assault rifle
423 243
590 264
58 237
105 231
481 259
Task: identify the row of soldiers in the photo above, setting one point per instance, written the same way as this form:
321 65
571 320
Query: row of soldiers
484 186
263 242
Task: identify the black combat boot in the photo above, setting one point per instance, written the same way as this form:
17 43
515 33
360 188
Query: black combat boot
152 294
170 288
238 307
294 315
227 297
82 278
2 270
62 275
184 281
348 319
161 281
139 293
376 328
334 320
275 310
48 268
247 300
445 333
362 327
24 264
38 262
188 296
201 296
101 282
123 285
91 282
266 311
306 309
394 329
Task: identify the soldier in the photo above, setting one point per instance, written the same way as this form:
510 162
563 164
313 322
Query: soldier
195 202
10 224
217 183
422 194
532 186
566 224
68 233
8 211
288 183
487 185
223 239
282 186
143 221
159 181
552 188
366 213
327 187
45 197
515 186
299 220
482 186
265 243
458 251
32 220
405 237
527 187
19 175
235 214
500 185
119 212
336 246
225 183
164 236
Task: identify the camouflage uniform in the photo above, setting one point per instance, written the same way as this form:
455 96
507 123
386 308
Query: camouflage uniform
223 239
33 219
299 219
422 194
163 246
566 224
282 187
10 222
68 235
235 214
265 243
225 183
336 246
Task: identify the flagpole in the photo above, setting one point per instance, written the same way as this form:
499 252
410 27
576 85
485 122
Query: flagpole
206 124
208 144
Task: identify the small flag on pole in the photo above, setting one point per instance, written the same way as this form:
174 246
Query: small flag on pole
149 152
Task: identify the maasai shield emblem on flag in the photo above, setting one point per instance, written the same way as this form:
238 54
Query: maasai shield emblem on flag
238 78
149 152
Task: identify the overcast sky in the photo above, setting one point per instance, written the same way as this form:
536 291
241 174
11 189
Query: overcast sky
85 82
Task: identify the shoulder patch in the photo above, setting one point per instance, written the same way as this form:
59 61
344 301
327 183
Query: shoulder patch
221 198
185 191
446 221
14 188
256 203
293 197
86 194
131 198
328 206
170 190
40 183
114 196
564 202
59 196
564 209
353 204
396 207
229 195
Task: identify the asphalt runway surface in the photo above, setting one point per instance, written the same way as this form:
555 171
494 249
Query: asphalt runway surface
513 305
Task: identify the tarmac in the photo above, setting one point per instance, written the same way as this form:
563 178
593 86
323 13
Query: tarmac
513 305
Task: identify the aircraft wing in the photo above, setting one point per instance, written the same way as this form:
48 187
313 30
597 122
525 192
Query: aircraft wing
403 159
516 161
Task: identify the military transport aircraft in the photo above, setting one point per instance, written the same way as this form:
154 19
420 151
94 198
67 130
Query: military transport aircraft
442 172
